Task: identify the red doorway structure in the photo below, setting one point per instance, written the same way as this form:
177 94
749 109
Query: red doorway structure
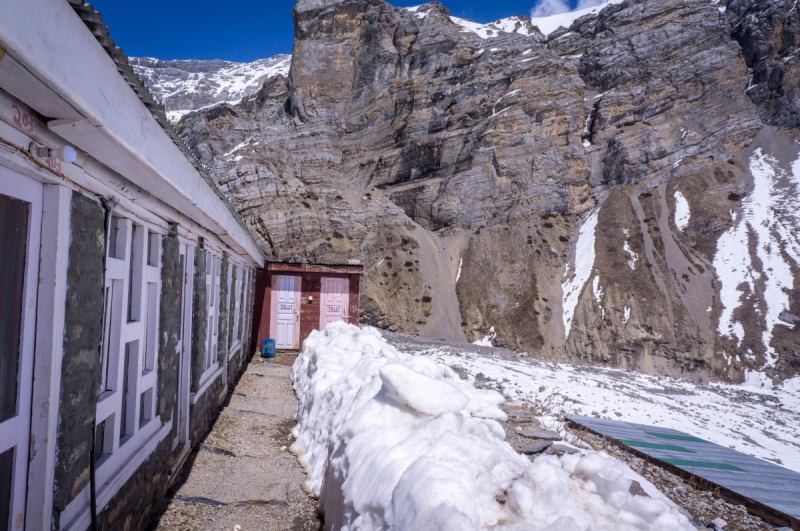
291 300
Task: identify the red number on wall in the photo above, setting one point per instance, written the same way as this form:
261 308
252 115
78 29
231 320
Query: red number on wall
23 120
54 164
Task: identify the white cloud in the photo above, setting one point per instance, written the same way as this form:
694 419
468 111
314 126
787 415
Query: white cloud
546 8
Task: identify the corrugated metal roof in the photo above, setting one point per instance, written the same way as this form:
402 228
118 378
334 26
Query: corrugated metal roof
769 485
94 21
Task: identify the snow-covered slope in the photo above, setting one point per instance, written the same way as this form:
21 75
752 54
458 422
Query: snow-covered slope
756 418
185 86
521 24
548 25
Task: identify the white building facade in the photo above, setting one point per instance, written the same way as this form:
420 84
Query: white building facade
127 280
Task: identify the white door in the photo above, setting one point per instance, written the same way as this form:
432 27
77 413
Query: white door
335 300
288 325
20 230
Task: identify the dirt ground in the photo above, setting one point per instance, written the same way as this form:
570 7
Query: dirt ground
242 476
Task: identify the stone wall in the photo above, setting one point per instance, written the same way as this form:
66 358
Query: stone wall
143 494
204 411
80 366
224 308
169 325
199 318
251 301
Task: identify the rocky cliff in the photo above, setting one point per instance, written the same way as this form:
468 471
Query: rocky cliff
621 191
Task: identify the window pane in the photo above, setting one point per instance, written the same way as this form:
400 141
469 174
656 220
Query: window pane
13 242
106 339
180 295
6 471
113 237
152 248
133 264
99 438
128 410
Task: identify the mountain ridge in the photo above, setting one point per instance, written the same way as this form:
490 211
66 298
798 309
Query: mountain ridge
532 183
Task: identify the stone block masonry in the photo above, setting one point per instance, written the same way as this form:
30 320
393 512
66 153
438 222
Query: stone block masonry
80 368
199 318
224 305
205 410
169 325
142 495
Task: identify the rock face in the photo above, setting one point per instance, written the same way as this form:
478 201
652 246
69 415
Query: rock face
189 85
593 194
769 34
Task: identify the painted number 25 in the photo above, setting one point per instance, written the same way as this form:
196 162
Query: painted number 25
23 120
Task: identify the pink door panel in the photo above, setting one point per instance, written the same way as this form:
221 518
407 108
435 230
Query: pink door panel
335 300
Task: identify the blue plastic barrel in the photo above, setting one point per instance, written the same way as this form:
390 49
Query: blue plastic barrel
268 348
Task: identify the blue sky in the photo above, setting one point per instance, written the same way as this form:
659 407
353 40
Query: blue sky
241 30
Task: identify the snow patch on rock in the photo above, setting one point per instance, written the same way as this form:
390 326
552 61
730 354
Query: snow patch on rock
766 219
549 24
584 262
727 414
633 256
486 341
185 86
682 212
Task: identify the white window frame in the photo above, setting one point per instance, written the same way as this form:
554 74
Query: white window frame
211 362
183 350
14 431
130 275
235 311
246 284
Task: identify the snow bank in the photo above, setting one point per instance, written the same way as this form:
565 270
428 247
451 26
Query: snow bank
584 263
395 441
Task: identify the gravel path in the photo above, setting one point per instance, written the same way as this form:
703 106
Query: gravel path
242 477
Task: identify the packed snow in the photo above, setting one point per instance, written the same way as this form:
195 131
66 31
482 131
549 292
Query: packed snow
758 421
682 212
572 286
767 217
391 440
